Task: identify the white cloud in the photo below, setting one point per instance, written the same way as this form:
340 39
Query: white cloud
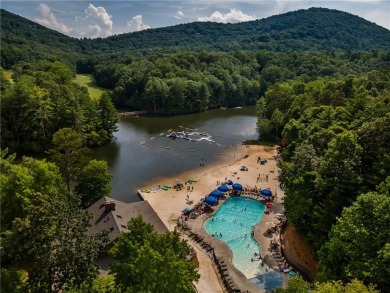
136 24
380 17
179 14
100 22
234 15
282 6
49 20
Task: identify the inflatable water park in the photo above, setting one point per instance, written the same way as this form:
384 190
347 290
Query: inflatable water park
194 136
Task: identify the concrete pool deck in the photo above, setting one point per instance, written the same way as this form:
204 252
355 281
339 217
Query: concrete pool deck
170 204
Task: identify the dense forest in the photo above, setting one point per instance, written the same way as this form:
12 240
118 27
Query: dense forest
194 82
42 99
334 135
315 29
320 80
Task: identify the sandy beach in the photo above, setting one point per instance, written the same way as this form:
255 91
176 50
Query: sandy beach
170 204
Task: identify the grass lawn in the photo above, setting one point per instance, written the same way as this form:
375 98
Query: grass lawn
88 81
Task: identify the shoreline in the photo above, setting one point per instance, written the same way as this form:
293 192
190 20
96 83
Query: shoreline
170 204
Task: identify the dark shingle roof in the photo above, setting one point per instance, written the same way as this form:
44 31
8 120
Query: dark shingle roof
115 221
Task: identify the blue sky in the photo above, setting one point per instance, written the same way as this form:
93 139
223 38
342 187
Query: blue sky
103 18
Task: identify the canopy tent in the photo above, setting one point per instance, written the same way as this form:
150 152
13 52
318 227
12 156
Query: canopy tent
229 182
266 192
237 186
223 188
211 200
216 193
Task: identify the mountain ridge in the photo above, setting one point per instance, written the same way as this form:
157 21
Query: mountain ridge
313 29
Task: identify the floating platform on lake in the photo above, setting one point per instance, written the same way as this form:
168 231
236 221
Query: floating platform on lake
133 113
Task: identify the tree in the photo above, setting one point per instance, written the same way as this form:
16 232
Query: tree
338 183
21 183
358 245
11 281
51 244
298 285
299 179
264 128
145 261
375 136
102 284
108 117
68 153
295 285
277 120
261 108
93 182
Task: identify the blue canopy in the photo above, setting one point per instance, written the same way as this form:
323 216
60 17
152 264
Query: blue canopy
211 200
223 188
266 192
216 193
237 186
230 182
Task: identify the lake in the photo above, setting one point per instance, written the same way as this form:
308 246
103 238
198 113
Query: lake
142 152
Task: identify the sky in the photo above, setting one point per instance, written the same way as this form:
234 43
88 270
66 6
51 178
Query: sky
94 19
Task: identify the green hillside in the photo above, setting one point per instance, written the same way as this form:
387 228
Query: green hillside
315 29
312 29
25 40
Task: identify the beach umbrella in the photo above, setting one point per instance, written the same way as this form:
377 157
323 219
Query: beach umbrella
223 188
211 200
216 193
187 209
237 186
268 204
266 192
230 182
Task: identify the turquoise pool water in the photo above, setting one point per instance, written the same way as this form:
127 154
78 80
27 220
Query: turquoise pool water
233 223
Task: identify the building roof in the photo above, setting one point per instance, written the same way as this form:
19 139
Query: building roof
112 215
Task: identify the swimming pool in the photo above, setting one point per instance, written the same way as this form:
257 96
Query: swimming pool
233 224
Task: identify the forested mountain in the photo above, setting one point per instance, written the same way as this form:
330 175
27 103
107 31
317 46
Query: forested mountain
25 40
302 30
312 29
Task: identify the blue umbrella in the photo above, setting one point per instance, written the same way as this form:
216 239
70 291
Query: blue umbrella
223 188
230 182
216 193
237 186
266 192
187 209
211 200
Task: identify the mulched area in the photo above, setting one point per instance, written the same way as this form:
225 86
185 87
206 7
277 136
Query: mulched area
300 249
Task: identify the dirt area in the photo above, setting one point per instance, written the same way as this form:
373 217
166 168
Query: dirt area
300 250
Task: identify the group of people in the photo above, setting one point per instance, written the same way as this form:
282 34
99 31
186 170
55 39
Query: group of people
197 210
261 177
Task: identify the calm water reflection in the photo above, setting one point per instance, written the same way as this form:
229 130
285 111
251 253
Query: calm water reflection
141 151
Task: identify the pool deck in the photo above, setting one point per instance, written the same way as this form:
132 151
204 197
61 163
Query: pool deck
169 205
222 250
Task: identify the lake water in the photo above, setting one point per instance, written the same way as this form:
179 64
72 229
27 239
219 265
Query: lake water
141 151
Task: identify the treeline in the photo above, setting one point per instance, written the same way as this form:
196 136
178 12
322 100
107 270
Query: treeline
28 41
42 99
314 29
335 170
194 82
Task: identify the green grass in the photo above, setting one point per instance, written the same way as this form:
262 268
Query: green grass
8 75
88 81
